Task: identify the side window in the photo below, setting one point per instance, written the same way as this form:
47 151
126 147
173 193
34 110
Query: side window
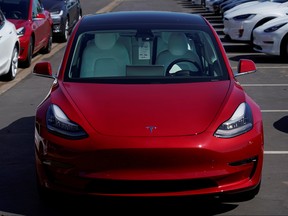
1 20
37 8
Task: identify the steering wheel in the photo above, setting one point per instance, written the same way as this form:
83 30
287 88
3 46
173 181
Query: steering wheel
16 14
183 71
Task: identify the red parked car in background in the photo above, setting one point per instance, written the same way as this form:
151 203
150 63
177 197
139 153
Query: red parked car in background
33 24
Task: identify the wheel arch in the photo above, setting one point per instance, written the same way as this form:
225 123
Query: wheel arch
259 23
264 20
283 46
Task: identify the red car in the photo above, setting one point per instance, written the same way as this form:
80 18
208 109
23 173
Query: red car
146 104
34 27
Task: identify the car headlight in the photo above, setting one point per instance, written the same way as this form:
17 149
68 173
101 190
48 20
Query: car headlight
240 122
56 14
244 16
58 123
275 27
20 31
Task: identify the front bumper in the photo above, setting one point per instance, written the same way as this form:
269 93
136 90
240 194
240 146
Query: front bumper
237 30
267 43
199 166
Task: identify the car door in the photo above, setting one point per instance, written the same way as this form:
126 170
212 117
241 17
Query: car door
5 43
41 25
72 7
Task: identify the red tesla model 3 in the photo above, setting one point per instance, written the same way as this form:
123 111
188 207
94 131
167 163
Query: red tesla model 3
146 104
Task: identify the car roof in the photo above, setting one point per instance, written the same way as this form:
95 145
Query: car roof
142 19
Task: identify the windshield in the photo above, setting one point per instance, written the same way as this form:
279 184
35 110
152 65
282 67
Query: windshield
146 55
53 5
15 9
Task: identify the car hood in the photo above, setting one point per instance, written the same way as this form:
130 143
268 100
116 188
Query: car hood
257 8
18 22
243 5
149 109
273 22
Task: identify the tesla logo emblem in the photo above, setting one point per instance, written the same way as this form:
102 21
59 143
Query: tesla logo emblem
151 128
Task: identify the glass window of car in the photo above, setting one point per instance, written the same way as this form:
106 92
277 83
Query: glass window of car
15 9
37 8
2 19
146 56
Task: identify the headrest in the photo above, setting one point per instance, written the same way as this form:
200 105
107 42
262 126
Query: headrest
165 36
105 41
178 44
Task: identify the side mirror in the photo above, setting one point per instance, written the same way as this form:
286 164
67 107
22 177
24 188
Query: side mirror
40 16
43 69
245 66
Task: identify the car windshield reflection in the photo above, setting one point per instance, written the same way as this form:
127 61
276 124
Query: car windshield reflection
146 54
15 9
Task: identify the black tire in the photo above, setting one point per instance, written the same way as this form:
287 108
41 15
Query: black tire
27 62
13 65
284 48
48 47
65 33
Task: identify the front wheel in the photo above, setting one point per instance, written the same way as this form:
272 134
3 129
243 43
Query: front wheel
284 48
48 47
27 62
65 34
13 65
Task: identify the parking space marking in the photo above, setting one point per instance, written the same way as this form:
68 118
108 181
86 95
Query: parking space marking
275 152
276 67
266 67
265 85
110 6
273 111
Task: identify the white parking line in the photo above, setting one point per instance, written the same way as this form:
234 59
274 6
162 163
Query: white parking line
110 6
265 85
273 111
275 152
284 67
266 67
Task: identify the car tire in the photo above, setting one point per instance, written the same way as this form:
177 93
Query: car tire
27 62
13 65
284 48
80 15
48 47
65 34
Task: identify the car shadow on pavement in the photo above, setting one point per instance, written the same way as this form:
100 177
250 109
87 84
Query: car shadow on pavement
18 187
281 124
138 206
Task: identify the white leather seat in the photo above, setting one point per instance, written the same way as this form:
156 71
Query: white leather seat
106 57
178 49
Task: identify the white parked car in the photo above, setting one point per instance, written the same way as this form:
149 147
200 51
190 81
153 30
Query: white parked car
254 4
272 37
197 2
9 49
213 5
239 25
